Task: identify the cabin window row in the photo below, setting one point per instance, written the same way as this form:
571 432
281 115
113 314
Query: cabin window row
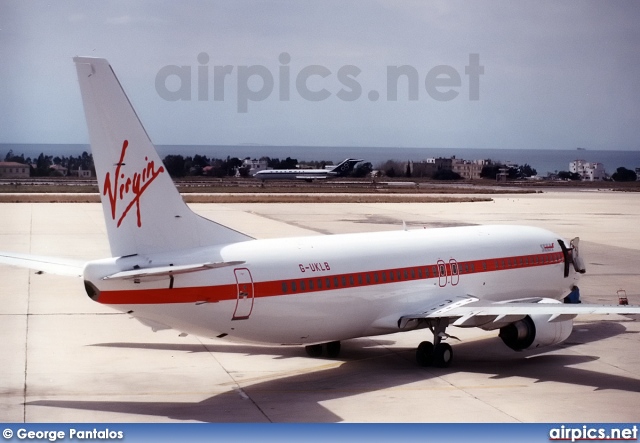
377 277
360 279
532 260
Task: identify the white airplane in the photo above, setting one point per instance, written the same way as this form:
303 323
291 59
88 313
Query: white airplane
170 268
340 170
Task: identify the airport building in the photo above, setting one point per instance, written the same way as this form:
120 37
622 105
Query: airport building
14 170
254 165
591 171
81 173
468 169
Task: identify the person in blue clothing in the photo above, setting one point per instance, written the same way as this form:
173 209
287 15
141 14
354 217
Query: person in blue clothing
574 295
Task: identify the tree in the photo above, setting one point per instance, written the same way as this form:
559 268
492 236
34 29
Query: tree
362 170
175 165
200 160
42 165
231 165
526 171
624 175
11 157
566 175
289 163
491 171
445 174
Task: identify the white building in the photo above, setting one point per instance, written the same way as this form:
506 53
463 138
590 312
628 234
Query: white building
254 165
14 170
588 170
468 169
81 173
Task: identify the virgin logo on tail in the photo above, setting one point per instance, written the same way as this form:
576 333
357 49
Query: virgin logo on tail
127 189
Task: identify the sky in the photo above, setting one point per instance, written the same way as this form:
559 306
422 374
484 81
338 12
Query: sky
446 74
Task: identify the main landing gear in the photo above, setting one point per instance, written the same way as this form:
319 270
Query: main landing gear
437 353
331 349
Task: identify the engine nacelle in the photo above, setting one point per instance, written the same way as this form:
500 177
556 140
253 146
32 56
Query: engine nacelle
535 332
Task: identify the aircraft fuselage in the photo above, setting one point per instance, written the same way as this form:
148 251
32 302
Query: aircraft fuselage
284 290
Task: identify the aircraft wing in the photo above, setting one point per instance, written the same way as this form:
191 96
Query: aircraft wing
469 311
51 265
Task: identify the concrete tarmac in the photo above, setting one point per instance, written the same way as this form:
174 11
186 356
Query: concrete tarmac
68 359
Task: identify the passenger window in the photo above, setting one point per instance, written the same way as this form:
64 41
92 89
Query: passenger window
351 280
293 287
344 281
360 279
368 279
310 284
328 282
302 286
284 287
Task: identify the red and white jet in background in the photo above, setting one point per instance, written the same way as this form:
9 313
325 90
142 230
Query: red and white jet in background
170 268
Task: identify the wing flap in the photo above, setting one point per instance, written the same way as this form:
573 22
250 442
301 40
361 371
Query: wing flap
468 311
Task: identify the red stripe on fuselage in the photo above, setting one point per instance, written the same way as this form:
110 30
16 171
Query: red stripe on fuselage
217 293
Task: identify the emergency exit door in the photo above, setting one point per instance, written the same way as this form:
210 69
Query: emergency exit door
244 301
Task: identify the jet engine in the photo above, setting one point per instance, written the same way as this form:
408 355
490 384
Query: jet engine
535 331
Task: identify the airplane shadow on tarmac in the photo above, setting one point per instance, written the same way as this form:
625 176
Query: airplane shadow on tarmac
298 397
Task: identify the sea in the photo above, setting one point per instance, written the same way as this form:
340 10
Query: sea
544 161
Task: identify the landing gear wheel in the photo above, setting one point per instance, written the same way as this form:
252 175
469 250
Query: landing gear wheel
424 353
442 355
333 349
313 350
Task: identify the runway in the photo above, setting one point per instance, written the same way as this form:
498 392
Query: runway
68 359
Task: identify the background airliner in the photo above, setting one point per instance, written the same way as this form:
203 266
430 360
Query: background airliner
170 268
340 170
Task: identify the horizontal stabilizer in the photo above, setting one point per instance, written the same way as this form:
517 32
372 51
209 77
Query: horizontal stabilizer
50 265
164 271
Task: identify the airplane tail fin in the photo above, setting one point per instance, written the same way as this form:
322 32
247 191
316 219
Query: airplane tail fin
346 166
143 210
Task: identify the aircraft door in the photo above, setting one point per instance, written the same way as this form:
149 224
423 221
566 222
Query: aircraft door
442 273
244 302
455 272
